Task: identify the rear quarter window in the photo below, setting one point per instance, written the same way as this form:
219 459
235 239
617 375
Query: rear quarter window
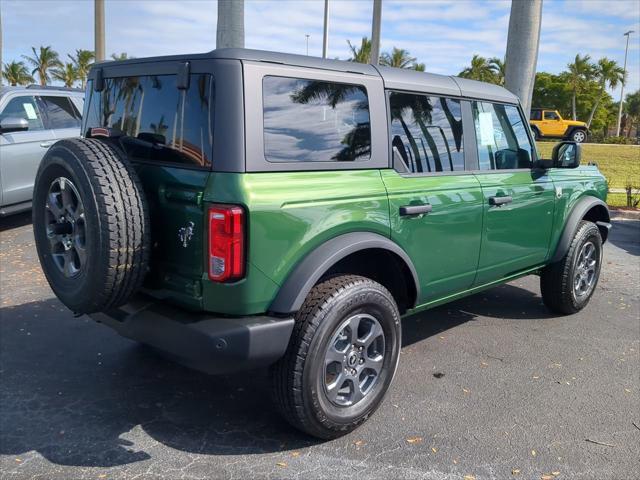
315 121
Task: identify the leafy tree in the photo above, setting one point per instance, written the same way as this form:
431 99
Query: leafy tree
608 74
499 68
16 73
580 71
632 110
399 58
418 67
120 56
480 69
43 61
361 54
67 74
82 61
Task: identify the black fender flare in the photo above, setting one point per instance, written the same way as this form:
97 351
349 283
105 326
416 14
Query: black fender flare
573 128
308 271
578 212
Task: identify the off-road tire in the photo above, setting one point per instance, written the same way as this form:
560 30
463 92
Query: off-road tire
296 388
557 279
578 135
117 229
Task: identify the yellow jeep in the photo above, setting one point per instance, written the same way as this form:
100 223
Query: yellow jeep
548 123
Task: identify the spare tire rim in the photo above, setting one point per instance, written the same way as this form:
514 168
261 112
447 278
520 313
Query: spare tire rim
353 360
586 269
65 227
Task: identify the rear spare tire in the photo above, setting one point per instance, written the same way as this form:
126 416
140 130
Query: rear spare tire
91 225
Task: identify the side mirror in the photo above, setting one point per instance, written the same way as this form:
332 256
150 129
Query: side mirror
13 124
566 155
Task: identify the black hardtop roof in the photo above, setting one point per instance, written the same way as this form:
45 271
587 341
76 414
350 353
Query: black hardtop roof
393 78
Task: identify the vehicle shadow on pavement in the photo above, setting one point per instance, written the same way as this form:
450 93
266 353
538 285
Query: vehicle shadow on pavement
505 301
625 236
80 395
15 221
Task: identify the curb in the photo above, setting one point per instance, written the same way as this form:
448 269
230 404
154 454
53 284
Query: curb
624 214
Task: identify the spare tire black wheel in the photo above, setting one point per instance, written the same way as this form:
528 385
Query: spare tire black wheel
91 225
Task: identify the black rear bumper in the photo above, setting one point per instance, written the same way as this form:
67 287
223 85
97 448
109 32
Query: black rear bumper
214 345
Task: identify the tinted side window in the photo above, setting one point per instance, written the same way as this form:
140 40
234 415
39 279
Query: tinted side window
550 116
315 121
536 115
156 121
24 107
426 132
60 112
501 134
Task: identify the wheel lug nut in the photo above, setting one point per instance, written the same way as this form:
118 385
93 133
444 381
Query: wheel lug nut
361 361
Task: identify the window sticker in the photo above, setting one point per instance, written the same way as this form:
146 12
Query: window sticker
30 111
486 128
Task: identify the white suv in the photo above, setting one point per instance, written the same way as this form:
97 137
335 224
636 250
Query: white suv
31 119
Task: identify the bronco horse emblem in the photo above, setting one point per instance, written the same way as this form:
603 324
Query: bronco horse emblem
185 234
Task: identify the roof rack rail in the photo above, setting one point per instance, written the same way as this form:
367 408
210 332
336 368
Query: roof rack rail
52 87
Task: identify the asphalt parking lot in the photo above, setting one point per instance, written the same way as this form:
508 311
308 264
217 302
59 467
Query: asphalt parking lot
491 386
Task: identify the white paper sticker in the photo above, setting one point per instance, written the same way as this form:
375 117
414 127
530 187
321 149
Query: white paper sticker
31 112
486 128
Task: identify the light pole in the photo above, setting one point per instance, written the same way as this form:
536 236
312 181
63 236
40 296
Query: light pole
230 29
626 50
325 38
307 35
375 32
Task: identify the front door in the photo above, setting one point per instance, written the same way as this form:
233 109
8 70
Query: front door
518 200
435 206
552 124
21 152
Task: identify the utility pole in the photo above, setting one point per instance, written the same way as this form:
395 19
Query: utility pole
99 30
230 33
375 32
522 49
325 37
626 50
307 37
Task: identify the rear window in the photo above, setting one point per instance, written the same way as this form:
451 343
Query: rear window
536 114
315 121
157 122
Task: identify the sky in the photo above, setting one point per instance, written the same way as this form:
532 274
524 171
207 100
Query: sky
442 34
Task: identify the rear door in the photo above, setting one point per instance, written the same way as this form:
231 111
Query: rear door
21 152
518 200
435 203
166 129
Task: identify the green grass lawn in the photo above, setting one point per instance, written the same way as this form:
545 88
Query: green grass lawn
619 163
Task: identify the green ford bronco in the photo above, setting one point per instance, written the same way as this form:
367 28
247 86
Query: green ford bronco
242 209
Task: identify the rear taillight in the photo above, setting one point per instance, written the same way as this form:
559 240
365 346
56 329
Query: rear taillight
226 243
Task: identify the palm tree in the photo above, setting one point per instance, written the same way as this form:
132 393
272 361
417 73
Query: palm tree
632 110
609 74
481 69
361 54
580 72
16 73
120 56
499 68
82 61
418 67
66 74
399 58
42 62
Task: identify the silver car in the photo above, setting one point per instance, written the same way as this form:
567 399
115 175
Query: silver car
31 119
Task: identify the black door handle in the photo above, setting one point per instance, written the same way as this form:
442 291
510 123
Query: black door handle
409 210
497 201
